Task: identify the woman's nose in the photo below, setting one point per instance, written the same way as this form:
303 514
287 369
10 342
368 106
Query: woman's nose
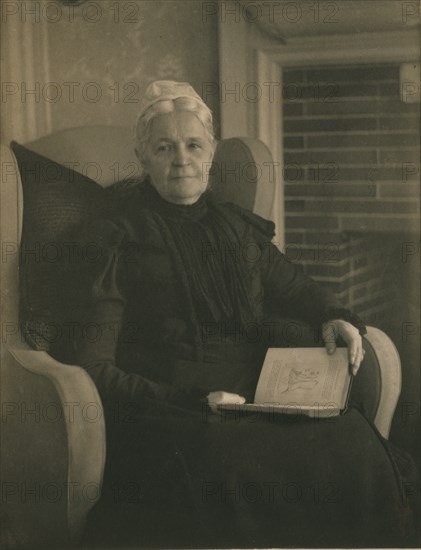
181 157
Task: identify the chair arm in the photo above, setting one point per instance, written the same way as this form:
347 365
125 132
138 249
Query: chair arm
389 364
377 386
54 433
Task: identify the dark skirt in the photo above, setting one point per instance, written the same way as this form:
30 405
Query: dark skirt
184 479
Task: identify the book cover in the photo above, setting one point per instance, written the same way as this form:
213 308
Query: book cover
302 381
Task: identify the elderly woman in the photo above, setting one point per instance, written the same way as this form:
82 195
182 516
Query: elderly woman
173 346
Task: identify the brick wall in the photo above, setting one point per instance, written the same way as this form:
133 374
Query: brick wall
351 177
352 188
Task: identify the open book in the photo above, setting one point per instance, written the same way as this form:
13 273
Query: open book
301 381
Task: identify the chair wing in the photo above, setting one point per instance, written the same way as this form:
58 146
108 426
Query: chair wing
242 172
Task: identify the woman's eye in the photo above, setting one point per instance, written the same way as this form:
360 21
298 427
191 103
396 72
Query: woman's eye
163 148
195 146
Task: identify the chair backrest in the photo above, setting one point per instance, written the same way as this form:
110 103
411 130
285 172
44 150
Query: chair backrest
103 153
242 173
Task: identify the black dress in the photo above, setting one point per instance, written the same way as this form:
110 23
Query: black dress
179 302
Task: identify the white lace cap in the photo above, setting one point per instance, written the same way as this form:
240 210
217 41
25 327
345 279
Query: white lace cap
162 90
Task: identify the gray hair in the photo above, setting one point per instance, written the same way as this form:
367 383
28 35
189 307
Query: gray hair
188 104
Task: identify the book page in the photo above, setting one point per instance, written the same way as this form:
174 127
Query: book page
304 376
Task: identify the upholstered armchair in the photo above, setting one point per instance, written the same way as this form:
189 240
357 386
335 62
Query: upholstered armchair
53 430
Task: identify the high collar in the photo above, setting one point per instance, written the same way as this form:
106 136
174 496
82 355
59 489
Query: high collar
176 212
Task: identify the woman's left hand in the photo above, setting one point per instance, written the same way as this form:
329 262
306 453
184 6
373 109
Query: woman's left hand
338 327
216 398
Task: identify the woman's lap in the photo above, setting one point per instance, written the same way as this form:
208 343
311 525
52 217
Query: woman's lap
268 480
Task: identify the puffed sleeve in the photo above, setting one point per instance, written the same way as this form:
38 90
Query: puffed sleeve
103 246
288 291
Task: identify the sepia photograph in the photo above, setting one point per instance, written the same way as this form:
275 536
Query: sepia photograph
210 274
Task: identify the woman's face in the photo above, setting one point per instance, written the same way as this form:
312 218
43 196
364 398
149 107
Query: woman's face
178 157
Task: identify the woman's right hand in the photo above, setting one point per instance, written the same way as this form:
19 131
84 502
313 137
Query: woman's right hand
216 398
